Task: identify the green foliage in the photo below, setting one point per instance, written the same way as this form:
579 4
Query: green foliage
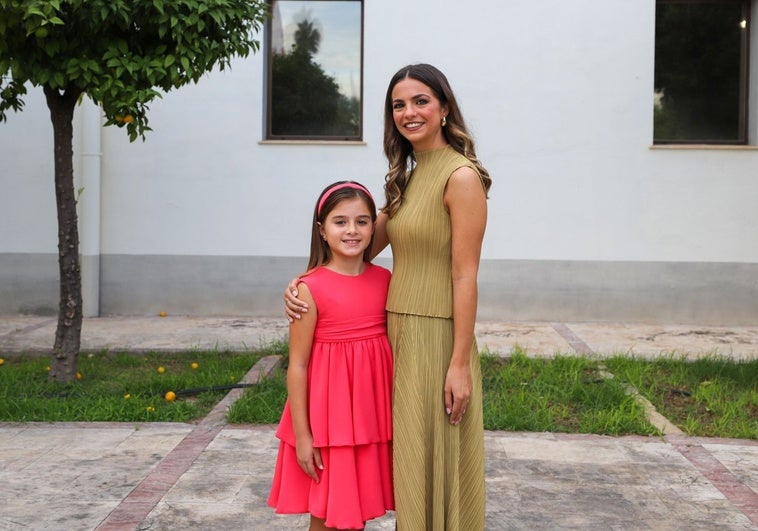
122 54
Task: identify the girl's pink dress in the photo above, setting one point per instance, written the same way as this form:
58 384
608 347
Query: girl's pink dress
350 393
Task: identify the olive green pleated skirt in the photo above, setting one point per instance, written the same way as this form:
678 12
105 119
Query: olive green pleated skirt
438 467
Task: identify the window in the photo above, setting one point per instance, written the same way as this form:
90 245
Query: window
315 67
701 71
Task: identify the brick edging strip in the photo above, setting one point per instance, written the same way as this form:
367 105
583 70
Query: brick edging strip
142 500
574 341
734 490
138 504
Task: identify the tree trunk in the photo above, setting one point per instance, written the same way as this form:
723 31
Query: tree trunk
68 333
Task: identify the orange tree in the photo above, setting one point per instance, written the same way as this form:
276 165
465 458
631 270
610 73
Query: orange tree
122 54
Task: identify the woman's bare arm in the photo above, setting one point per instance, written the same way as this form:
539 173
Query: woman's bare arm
466 201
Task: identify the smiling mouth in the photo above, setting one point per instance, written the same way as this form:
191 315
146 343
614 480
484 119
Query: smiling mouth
413 125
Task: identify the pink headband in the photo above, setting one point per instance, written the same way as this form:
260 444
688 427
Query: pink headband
336 187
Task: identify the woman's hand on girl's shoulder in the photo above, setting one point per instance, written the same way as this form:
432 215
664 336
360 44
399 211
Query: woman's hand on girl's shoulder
293 307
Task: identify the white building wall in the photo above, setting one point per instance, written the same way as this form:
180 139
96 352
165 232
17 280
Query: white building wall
586 220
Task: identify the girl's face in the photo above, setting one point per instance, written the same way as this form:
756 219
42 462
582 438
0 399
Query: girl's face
418 114
348 228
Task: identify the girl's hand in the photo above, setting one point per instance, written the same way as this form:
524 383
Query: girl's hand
458 387
293 307
308 457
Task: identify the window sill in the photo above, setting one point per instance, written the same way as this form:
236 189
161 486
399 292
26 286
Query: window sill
302 142
706 147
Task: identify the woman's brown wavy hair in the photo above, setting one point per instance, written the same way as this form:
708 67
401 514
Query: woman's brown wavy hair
398 149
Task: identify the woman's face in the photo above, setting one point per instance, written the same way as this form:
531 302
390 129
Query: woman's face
418 114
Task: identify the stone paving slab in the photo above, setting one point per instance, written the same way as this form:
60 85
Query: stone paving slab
647 341
739 461
534 338
534 480
16 323
153 333
70 476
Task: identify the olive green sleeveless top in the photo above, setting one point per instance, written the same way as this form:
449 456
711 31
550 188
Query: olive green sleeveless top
420 237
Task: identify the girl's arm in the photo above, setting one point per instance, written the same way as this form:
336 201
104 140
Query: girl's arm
295 306
301 341
467 204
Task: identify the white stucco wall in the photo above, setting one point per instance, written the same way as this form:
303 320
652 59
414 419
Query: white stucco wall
27 197
557 94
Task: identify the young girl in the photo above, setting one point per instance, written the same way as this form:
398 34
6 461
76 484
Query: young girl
335 454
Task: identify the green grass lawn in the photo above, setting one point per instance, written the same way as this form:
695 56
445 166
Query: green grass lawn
121 387
709 397
561 394
570 394
712 397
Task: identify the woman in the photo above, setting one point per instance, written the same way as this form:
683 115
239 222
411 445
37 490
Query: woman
434 219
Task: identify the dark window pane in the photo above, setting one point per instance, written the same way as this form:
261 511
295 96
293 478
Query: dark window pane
700 71
315 69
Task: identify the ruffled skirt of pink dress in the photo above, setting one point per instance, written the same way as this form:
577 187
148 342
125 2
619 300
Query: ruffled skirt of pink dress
351 420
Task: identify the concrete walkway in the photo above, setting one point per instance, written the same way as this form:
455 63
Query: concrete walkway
211 475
